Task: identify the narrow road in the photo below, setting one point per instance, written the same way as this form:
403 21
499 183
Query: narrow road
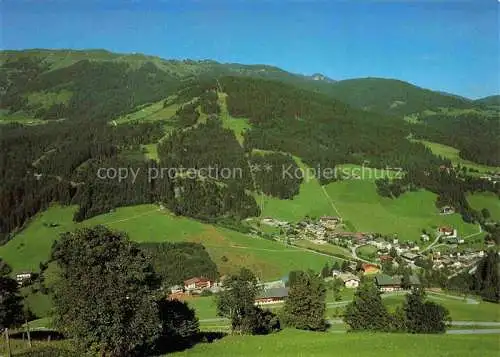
476 323
468 300
481 331
331 201
475 234
432 244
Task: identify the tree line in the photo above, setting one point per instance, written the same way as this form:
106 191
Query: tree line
322 131
473 133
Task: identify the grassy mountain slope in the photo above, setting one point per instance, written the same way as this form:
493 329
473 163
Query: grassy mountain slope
146 223
134 100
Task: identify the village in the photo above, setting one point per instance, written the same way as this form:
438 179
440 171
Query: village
329 230
276 292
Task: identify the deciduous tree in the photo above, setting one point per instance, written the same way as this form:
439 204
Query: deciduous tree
103 298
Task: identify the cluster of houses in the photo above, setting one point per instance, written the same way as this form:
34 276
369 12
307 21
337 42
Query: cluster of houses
195 285
23 278
308 229
456 260
271 292
494 178
387 283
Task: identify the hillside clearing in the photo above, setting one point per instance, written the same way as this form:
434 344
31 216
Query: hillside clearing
311 201
148 113
486 200
452 154
459 309
146 223
237 125
405 216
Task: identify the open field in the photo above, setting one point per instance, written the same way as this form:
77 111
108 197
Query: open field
368 252
359 203
361 208
459 309
151 151
237 125
21 118
487 200
302 343
152 112
146 223
38 303
326 248
311 201
451 153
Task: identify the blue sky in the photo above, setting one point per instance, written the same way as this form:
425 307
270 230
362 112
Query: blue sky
439 44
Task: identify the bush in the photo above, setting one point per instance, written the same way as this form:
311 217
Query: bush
206 293
263 322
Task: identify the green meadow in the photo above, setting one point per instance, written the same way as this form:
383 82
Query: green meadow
406 216
451 153
151 151
295 343
327 248
152 112
146 223
19 117
460 309
237 125
368 252
311 201
486 200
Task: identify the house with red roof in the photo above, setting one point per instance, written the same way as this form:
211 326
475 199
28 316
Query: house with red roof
370 268
197 283
447 231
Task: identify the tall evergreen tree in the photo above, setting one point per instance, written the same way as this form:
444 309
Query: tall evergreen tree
305 306
486 277
11 302
366 311
424 316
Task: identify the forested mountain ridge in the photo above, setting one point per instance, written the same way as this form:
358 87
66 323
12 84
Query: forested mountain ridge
54 70
393 96
295 115
492 100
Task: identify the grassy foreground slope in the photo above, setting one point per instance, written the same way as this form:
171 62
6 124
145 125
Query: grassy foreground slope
301 344
146 223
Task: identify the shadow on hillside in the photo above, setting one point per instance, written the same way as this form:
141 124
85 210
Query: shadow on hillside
170 345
